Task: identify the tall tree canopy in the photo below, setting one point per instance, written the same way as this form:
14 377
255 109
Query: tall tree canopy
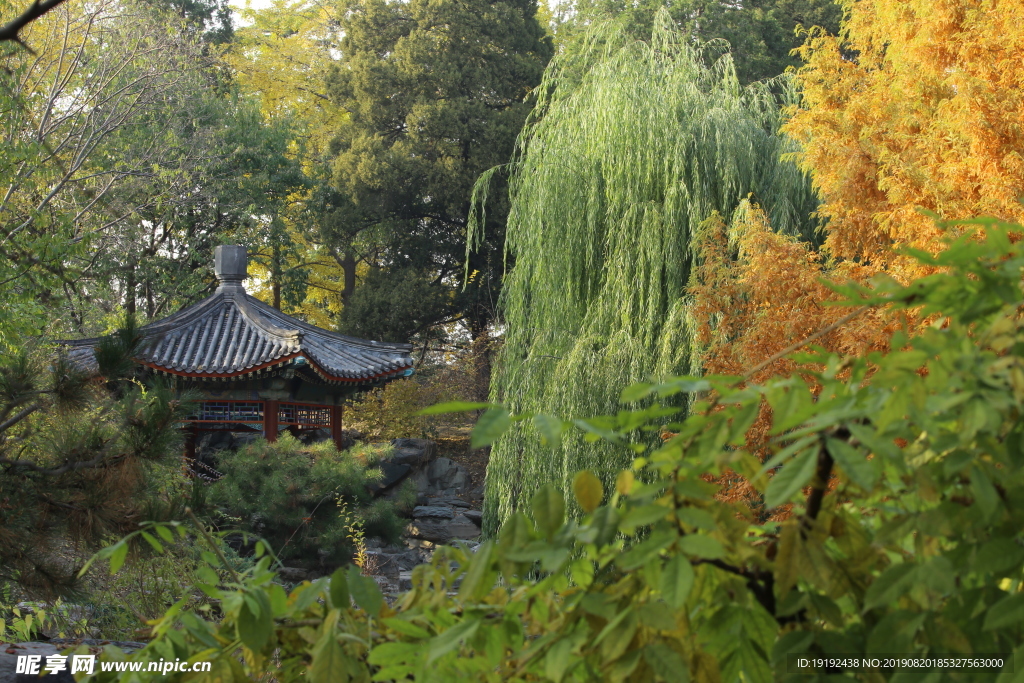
127 156
617 173
761 33
436 95
929 117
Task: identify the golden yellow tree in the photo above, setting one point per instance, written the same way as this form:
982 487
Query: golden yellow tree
917 108
916 105
283 54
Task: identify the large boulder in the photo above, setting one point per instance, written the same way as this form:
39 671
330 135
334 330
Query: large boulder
412 452
441 528
9 654
436 511
393 473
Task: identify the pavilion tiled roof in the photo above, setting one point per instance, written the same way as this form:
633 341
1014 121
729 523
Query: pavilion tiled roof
231 334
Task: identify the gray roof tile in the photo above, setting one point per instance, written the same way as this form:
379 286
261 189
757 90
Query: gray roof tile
231 333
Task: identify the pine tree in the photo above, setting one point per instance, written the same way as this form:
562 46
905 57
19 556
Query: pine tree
82 451
436 94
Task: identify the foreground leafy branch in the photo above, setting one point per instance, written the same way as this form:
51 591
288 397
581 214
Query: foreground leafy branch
902 474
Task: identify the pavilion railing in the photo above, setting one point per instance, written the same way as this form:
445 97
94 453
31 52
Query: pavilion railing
304 414
227 411
288 413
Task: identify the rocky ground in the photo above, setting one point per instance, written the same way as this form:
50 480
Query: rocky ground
449 481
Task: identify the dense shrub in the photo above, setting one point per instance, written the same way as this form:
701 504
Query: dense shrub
289 493
391 411
903 473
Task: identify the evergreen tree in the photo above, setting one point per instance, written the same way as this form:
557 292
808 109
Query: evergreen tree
84 453
436 94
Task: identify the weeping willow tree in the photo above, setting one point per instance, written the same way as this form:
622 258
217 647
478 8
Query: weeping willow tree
632 146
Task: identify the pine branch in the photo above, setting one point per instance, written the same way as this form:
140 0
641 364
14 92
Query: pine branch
7 424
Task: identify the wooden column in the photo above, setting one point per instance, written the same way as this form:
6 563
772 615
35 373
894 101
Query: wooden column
270 412
336 426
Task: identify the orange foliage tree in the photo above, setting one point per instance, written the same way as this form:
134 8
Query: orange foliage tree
915 105
916 108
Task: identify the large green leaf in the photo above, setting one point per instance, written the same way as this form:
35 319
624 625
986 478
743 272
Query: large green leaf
340 597
793 476
365 591
489 428
676 581
700 545
255 620
330 663
893 583
1006 612
452 638
861 471
588 490
548 510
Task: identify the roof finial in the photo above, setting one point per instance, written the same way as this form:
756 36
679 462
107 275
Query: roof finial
230 264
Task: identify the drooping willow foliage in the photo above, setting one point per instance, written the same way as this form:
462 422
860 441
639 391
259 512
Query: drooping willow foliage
633 145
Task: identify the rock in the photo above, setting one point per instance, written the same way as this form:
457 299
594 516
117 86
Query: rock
216 441
462 527
312 436
392 474
293 574
378 562
429 529
412 451
408 560
422 482
437 511
458 480
456 502
9 662
474 516
441 531
440 471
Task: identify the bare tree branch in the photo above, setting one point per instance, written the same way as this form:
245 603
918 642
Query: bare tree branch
9 32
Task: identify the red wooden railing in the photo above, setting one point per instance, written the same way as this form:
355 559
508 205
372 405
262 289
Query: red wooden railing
288 413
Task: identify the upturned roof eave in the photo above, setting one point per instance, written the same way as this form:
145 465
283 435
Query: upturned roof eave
384 359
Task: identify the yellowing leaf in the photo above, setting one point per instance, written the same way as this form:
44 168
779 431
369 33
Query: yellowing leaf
588 490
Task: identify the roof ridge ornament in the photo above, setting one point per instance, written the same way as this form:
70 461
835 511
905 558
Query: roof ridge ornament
233 335
231 266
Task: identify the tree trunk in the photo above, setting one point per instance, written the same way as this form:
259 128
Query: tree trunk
348 267
275 276
129 291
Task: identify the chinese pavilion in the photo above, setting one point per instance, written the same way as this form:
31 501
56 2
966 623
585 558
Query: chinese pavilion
256 368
